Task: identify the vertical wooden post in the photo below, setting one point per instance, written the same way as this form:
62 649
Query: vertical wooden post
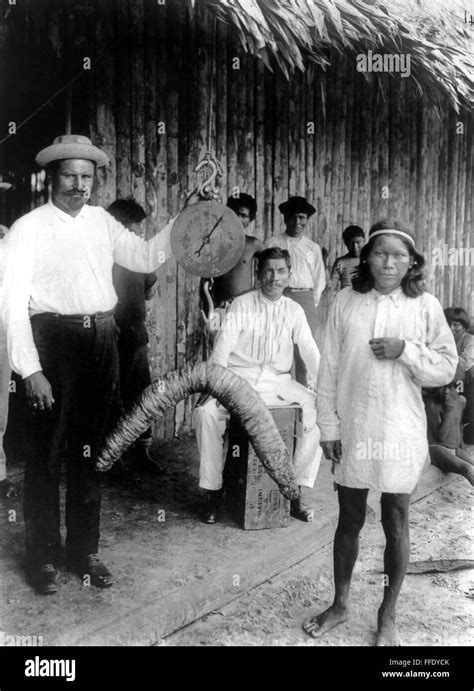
138 101
123 101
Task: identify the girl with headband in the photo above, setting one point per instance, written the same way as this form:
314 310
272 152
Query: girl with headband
385 339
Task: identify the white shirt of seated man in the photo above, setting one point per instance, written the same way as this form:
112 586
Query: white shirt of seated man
258 333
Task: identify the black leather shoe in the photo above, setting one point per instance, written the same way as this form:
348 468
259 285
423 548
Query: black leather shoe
99 575
210 509
45 579
299 510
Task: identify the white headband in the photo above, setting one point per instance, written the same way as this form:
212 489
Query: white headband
395 232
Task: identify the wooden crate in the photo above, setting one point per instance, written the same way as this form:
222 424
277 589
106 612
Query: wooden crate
253 499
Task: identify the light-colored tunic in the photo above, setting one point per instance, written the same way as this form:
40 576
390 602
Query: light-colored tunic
374 406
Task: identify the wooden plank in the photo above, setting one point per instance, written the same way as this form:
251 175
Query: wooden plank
384 182
355 151
451 272
365 154
349 87
319 98
248 135
280 147
302 118
221 104
462 156
310 137
102 122
137 130
123 101
270 223
156 133
290 156
259 182
339 159
440 202
467 289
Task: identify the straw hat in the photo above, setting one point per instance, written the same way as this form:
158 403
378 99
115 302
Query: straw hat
71 146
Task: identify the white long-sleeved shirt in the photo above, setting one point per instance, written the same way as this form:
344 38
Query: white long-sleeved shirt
374 406
54 262
307 266
257 337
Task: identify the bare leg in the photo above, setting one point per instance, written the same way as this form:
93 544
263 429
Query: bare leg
396 555
445 461
352 505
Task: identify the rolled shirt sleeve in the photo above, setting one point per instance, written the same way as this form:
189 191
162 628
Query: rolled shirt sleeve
137 254
432 363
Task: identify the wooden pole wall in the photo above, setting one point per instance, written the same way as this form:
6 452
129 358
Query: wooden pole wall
180 70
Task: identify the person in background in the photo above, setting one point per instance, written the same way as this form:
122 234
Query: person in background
444 412
386 339
344 268
256 342
240 279
458 320
307 280
133 289
221 290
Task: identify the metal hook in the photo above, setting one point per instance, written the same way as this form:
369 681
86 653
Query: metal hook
206 187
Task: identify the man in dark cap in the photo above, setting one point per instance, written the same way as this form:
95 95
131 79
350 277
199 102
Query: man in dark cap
308 279
58 304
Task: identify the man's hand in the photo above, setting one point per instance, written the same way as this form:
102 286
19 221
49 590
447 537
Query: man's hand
332 450
193 198
387 348
39 392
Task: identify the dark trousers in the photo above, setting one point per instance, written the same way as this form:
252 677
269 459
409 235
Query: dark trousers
306 300
134 375
80 361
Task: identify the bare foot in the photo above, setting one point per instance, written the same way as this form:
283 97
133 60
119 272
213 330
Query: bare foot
319 625
387 632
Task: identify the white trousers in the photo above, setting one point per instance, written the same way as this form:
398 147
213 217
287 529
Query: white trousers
211 418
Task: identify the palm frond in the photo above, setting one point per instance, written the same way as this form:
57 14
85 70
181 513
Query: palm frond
296 33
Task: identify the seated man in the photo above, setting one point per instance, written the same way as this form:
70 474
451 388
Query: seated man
256 341
444 411
458 320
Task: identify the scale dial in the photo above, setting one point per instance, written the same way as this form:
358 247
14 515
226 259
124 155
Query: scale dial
207 239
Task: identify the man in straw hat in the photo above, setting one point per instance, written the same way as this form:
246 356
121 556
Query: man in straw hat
58 304
307 280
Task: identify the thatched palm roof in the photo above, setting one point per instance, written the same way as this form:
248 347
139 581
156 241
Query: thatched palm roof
296 33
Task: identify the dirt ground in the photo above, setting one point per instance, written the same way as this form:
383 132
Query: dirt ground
435 609
171 572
